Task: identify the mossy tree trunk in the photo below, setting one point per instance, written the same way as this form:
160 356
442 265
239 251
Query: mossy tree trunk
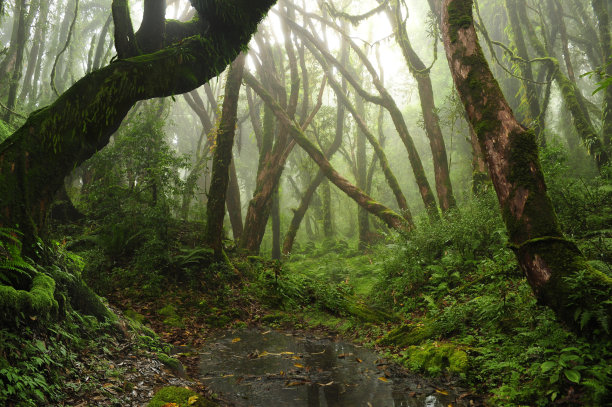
36 158
222 158
234 207
556 270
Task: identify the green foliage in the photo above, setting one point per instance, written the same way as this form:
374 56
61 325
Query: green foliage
457 281
15 271
133 184
5 130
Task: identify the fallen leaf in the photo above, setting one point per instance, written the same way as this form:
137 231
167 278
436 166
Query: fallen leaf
383 379
442 392
298 365
358 360
227 375
235 340
287 353
326 384
170 405
192 400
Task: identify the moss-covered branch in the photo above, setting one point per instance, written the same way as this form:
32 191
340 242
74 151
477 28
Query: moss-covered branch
55 139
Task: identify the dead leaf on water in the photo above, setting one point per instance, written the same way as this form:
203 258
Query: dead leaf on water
383 379
326 384
358 360
235 340
442 392
227 375
298 365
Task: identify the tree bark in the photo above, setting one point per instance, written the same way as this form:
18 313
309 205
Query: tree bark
234 207
556 270
222 158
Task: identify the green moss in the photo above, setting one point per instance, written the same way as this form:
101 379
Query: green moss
459 17
134 316
180 396
436 358
407 335
172 318
38 302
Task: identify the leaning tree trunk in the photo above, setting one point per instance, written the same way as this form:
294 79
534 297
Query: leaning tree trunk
556 270
222 158
56 139
392 219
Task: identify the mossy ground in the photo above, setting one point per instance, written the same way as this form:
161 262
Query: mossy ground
179 397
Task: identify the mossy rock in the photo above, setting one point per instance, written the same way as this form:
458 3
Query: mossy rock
181 397
436 358
408 335
277 318
173 364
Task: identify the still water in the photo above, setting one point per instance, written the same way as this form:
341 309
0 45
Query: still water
255 367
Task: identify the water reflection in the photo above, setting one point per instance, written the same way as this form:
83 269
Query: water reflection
257 368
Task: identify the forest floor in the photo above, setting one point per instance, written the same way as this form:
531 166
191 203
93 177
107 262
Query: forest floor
185 318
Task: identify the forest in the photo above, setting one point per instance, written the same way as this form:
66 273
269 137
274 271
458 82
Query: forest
305 203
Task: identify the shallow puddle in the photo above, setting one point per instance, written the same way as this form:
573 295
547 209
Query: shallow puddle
269 368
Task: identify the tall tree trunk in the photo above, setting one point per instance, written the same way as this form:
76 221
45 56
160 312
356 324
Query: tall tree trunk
444 188
20 49
361 162
222 158
276 225
326 206
555 268
234 207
